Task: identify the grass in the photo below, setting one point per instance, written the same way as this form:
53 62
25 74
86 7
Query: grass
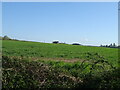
47 50
45 65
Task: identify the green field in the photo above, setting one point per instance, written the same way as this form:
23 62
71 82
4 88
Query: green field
46 50
84 64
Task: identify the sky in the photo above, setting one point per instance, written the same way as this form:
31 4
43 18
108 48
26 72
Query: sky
88 23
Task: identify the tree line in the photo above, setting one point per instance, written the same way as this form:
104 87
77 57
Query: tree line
112 45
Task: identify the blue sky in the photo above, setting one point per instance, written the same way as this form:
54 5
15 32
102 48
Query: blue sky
88 23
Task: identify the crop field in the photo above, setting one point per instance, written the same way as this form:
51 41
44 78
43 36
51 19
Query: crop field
46 65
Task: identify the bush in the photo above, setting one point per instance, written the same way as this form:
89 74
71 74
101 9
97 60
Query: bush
6 38
24 73
75 44
56 42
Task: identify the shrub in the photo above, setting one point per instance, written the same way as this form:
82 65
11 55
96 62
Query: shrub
56 42
24 73
75 44
6 38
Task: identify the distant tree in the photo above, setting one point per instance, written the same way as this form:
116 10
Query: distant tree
101 45
106 45
6 38
114 45
111 45
75 44
118 46
56 42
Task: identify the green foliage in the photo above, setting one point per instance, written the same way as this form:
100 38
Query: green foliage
96 74
24 73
